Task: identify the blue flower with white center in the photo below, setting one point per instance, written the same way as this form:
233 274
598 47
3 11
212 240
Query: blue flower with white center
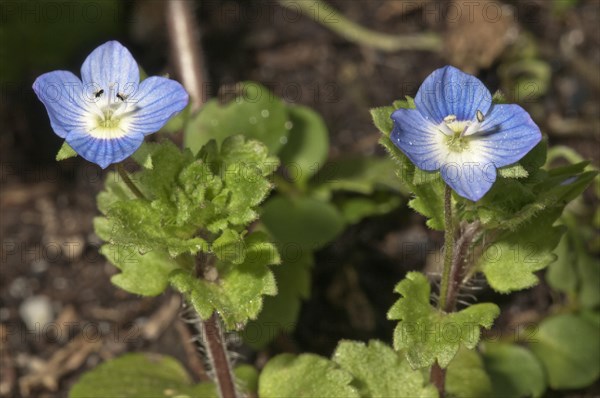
456 129
105 115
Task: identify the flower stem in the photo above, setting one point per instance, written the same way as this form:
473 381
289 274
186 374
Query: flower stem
127 180
321 12
438 378
216 350
448 249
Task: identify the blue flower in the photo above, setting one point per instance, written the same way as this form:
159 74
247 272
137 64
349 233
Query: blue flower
456 129
105 115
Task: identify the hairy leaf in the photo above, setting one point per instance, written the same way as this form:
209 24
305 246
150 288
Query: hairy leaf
379 371
306 375
428 334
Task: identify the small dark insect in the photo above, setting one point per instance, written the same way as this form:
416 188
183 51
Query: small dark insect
99 93
122 97
480 117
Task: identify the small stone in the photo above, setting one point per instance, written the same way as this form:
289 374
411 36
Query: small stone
36 312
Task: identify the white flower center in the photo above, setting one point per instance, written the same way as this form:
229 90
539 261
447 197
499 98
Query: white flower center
108 117
458 132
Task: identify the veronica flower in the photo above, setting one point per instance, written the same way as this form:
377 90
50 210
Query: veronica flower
105 115
456 129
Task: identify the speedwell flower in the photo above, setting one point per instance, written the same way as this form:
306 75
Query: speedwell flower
456 129
105 115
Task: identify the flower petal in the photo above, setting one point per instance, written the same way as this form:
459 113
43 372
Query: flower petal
468 174
418 138
449 91
104 151
61 92
157 100
111 67
506 135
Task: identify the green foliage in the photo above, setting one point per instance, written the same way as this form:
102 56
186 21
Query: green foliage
65 152
303 221
428 334
279 313
305 375
144 274
234 290
193 204
510 262
569 348
575 272
255 113
308 144
466 376
141 376
246 377
379 371
356 174
513 370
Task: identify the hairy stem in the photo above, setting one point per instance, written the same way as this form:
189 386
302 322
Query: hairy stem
185 44
217 354
448 248
438 378
321 12
127 180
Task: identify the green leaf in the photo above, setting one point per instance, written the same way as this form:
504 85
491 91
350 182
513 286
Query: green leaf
354 209
466 376
280 313
303 221
428 334
429 201
229 247
513 370
308 144
404 168
144 274
379 371
246 377
140 375
569 348
236 292
382 120
306 375
510 262
65 152
256 113
356 174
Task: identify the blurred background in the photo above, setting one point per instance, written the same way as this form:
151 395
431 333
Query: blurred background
60 315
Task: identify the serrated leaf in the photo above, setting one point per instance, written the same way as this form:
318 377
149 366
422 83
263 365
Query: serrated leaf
510 262
280 313
428 334
569 348
65 152
429 202
230 247
140 375
237 292
466 376
308 144
404 168
144 274
308 223
513 370
255 113
379 371
306 375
